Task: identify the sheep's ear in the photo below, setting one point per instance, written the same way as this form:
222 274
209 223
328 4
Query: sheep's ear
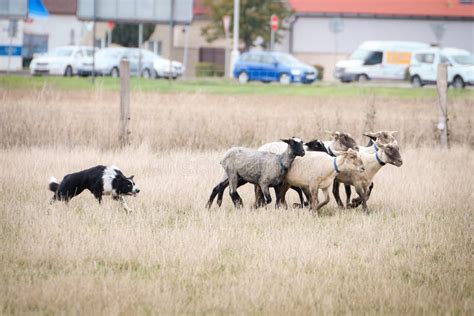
333 134
372 136
286 141
392 132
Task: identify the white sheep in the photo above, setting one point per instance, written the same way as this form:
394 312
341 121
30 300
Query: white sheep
316 171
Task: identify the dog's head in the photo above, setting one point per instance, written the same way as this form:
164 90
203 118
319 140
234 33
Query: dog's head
124 185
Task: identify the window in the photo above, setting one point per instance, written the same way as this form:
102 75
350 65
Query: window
266 59
425 58
374 58
465 1
443 59
33 44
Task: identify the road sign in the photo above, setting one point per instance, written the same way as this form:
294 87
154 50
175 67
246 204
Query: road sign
274 22
136 11
13 9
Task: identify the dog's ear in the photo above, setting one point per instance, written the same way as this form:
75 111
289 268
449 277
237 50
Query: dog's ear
131 178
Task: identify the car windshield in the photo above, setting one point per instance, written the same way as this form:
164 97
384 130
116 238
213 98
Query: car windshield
467 60
287 59
360 54
62 52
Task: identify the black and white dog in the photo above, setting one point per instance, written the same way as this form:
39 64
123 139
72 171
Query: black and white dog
100 180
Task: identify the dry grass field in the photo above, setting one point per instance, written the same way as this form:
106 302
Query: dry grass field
412 255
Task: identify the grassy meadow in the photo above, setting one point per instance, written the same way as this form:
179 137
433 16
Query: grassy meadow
413 254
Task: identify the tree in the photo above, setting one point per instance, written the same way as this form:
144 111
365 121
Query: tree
127 34
254 19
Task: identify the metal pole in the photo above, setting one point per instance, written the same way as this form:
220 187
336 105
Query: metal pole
171 40
93 45
272 40
140 41
10 35
227 57
235 48
186 43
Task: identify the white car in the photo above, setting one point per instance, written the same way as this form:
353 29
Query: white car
424 66
163 69
64 61
378 60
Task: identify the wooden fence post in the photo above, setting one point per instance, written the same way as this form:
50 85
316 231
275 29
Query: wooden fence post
124 101
442 84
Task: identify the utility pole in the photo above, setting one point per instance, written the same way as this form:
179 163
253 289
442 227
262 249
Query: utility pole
171 39
235 50
140 41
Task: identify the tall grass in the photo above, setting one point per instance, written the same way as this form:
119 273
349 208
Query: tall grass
201 121
411 255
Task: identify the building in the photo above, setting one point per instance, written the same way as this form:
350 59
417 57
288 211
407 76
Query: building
323 32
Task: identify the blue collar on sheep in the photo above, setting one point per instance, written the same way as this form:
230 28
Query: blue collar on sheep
376 149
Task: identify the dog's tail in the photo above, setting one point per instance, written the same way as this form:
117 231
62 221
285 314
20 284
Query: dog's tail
53 184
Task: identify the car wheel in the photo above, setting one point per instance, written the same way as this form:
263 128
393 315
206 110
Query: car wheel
68 72
458 82
362 78
243 77
416 82
115 72
285 79
146 73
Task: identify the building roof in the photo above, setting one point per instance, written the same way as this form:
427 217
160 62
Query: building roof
413 8
61 6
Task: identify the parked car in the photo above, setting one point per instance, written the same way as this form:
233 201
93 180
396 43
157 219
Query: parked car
65 60
163 70
273 66
377 60
424 66
108 63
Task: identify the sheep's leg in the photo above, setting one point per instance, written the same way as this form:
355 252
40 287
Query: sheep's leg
300 195
218 189
307 194
371 186
259 198
335 192
220 194
348 194
266 193
326 199
314 199
363 199
233 182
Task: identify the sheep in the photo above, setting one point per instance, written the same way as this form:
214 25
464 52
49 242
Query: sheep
382 154
264 169
383 137
340 142
316 171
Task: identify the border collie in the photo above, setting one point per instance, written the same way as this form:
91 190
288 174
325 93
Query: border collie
99 180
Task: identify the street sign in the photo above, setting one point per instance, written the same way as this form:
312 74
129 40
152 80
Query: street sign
274 22
136 11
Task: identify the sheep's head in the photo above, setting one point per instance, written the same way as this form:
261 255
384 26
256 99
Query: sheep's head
382 137
316 145
351 161
295 145
391 154
343 141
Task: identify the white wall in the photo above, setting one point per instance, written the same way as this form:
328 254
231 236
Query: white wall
312 35
59 28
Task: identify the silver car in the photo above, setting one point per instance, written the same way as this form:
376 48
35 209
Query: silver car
107 61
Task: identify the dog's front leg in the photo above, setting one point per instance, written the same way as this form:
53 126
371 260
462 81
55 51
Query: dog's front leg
124 204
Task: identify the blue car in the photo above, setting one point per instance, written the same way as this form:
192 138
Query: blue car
273 66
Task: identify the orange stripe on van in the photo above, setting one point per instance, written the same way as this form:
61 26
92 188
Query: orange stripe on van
398 58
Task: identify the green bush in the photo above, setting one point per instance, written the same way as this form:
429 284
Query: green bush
209 70
320 71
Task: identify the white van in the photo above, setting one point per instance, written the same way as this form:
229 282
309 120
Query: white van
378 60
424 66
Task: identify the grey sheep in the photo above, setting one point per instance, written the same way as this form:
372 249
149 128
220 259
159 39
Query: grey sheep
244 165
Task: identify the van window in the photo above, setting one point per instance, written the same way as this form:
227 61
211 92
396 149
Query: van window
425 58
443 59
374 58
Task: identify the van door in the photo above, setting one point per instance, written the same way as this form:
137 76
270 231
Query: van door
428 66
373 66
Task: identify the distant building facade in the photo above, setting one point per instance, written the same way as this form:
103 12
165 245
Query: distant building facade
311 37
